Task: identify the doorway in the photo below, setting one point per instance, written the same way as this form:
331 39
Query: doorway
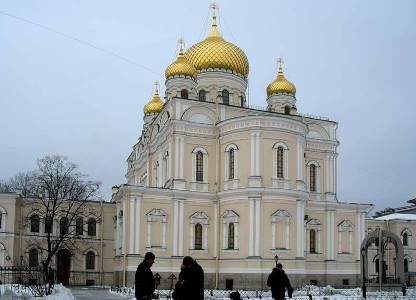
63 266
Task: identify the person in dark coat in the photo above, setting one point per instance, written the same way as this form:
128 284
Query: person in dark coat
192 275
279 282
178 292
144 279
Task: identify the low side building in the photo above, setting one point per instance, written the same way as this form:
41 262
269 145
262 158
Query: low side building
90 258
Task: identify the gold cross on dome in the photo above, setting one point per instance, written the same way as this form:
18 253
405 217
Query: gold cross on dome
156 84
181 44
280 64
214 7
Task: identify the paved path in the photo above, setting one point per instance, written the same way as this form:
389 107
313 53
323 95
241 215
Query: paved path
83 293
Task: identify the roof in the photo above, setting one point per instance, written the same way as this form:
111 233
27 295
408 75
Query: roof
406 217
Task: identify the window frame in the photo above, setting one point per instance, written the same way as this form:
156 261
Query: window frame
90 260
225 95
35 223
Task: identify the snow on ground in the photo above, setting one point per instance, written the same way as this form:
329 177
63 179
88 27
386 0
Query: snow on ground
318 293
14 290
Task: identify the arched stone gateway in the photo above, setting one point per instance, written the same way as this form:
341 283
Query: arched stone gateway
385 258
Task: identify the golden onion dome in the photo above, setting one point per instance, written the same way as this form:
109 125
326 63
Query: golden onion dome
281 85
216 53
156 104
181 67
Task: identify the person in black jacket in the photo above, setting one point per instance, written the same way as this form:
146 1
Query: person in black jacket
192 276
144 280
279 282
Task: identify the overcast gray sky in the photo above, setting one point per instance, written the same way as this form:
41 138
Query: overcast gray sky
352 61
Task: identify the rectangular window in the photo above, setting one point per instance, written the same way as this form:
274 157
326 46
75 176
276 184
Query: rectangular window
199 166
345 282
48 224
313 178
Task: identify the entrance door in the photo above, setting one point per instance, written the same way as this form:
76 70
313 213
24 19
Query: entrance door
64 266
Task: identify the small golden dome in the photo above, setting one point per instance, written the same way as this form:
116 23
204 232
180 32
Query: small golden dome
216 53
181 67
156 104
281 85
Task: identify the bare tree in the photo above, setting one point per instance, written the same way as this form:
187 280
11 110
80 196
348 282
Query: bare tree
57 191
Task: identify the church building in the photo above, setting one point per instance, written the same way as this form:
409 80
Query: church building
233 186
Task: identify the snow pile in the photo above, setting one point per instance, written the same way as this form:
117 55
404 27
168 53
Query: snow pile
15 290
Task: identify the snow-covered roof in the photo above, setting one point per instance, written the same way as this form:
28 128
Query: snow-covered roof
408 217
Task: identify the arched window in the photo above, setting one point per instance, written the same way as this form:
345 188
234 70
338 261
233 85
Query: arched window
90 260
33 258
406 265
242 101
79 230
34 223
280 153
225 96
63 225
287 110
405 239
231 236
231 164
48 224
312 171
92 227
199 166
198 237
202 95
312 241
184 94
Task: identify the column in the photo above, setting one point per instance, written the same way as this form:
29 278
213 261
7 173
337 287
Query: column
191 238
181 156
330 236
251 228
164 229
287 224
300 228
132 223
149 233
300 178
138 224
236 236
123 249
216 229
177 157
258 238
181 220
258 154
205 242
273 234
175 226
253 155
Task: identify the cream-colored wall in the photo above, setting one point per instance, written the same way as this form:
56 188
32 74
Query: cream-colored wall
19 240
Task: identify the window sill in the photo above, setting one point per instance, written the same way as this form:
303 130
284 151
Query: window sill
156 249
196 251
230 250
313 253
344 253
280 250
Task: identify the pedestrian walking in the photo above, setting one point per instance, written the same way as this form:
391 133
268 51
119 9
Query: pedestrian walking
279 282
144 279
192 276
